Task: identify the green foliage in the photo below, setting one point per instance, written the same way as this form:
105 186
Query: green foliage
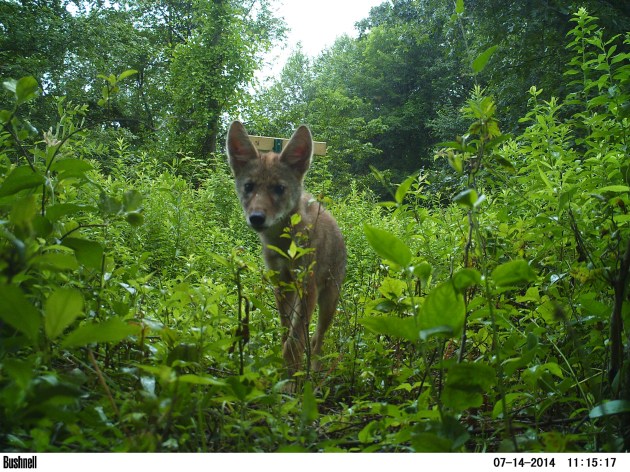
485 306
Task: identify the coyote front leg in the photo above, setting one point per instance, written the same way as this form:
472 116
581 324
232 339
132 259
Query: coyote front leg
296 310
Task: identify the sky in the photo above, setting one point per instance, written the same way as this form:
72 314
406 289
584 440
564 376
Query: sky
317 23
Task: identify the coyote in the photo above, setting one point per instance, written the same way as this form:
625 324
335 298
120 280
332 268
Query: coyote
269 186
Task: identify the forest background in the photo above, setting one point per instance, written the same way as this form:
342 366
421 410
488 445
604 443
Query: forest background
477 165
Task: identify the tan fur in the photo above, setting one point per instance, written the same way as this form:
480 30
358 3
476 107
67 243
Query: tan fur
269 187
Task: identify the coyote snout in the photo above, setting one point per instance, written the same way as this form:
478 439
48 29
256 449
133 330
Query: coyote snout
269 186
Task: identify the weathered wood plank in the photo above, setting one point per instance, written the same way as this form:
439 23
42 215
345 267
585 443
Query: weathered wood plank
265 144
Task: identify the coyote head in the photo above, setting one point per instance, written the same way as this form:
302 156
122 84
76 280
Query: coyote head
269 185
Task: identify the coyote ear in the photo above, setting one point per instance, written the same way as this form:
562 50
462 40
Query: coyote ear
298 151
240 148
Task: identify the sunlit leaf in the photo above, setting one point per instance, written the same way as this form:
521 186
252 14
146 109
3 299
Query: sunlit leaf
61 308
480 62
111 330
512 273
387 245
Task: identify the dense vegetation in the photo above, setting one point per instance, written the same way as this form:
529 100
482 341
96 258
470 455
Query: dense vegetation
478 167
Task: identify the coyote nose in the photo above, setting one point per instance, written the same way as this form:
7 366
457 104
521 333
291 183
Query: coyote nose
257 220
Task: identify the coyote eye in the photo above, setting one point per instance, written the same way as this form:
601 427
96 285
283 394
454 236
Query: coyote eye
249 186
278 190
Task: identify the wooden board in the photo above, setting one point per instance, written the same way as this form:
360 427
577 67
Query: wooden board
265 144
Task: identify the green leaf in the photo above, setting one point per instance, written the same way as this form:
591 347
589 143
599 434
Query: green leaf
405 328
135 218
466 385
431 442
109 205
201 380
71 167
422 271
546 180
467 198
88 253
23 211
54 212
441 331
20 178
55 261
132 199
309 404
127 73
456 162
614 189
18 312
614 407
480 62
465 278
459 7
388 246
443 306
61 309
10 85
112 330
512 273
25 89
403 188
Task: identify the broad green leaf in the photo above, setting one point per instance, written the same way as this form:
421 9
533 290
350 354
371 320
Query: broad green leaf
465 278
71 167
55 261
132 199
112 330
387 245
242 388
512 273
20 178
134 218
25 89
61 308
127 73
309 404
459 7
422 271
466 384
532 374
54 212
443 306
10 85
613 407
566 196
510 399
109 205
442 331
392 288
505 163
431 442
456 162
5 116
88 253
18 312
480 62
201 380
466 198
546 180
614 189
405 328
403 188
23 211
